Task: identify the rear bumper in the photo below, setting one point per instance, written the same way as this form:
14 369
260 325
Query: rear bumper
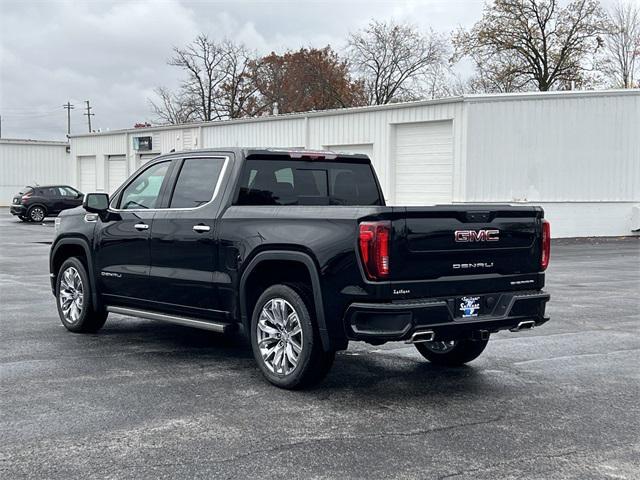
19 210
381 322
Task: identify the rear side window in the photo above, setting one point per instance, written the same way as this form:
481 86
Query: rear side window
196 182
67 192
298 182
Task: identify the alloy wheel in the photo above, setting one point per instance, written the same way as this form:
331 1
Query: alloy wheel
279 336
71 296
37 214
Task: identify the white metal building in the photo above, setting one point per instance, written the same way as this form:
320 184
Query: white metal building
27 162
577 154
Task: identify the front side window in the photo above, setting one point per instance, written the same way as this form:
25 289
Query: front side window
144 191
196 182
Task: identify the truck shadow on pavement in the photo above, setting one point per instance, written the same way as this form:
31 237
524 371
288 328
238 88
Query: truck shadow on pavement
371 374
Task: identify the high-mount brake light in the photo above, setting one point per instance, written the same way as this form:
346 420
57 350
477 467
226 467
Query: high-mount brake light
312 155
546 245
373 240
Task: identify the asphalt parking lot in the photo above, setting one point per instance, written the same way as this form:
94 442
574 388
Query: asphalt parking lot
149 400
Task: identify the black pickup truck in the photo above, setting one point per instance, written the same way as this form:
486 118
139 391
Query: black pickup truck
297 249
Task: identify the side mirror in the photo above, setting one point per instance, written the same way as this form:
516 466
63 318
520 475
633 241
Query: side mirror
96 202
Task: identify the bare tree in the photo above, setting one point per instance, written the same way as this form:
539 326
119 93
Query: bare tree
622 46
172 108
392 59
519 44
237 95
202 60
216 86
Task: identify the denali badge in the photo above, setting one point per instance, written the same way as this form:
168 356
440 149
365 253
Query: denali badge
476 235
464 266
111 274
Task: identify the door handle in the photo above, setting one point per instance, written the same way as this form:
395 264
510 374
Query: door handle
141 226
201 228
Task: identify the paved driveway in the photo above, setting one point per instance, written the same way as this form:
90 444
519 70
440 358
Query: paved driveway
148 400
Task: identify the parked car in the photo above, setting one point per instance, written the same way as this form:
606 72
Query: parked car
35 203
298 250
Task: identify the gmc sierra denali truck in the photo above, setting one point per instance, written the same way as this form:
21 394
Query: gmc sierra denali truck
297 249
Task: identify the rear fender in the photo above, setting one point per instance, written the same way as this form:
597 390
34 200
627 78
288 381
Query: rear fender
294 256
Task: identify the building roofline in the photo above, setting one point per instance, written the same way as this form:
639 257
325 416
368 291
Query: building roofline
28 141
375 108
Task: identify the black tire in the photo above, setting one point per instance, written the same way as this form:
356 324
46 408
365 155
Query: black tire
88 318
313 363
37 213
462 352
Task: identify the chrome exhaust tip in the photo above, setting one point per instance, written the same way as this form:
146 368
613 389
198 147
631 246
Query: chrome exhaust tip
422 336
526 325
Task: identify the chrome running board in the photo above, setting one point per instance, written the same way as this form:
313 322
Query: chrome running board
163 317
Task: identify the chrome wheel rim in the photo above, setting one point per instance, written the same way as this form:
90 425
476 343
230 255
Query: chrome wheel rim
37 214
442 346
279 336
71 295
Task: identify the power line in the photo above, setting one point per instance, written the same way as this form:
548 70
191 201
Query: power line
88 114
68 107
30 114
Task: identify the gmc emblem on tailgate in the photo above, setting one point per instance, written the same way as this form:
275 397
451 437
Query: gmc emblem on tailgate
476 235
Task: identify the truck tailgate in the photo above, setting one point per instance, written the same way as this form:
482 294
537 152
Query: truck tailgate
441 242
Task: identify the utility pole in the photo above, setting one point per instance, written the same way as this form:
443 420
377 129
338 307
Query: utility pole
88 114
68 107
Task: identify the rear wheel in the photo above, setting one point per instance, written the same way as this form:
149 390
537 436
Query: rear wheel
285 341
452 353
73 298
36 213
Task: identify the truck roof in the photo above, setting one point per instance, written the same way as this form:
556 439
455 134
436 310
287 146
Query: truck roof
259 152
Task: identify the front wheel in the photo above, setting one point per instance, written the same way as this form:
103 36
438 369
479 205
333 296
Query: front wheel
285 341
453 352
73 298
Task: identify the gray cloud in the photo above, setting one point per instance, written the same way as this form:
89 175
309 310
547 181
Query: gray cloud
114 53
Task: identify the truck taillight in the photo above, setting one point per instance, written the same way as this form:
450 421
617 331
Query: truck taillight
374 248
546 245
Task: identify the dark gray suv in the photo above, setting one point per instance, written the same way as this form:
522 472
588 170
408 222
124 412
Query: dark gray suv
35 203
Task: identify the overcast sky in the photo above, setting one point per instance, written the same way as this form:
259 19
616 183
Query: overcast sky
114 53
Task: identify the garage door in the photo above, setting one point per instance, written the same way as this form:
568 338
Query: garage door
144 158
424 163
116 172
87 174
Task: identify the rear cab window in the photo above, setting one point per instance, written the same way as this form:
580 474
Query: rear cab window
307 182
